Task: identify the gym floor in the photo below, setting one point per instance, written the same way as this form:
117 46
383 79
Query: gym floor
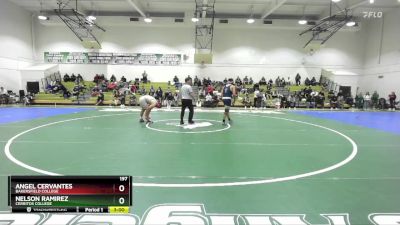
266 162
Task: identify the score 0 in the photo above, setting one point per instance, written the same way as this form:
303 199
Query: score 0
122 187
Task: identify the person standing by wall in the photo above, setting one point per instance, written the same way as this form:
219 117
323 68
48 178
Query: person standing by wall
375 99
392 100
367 101
187 100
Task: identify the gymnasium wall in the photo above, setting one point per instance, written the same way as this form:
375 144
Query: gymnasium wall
15 44
255 52
382 56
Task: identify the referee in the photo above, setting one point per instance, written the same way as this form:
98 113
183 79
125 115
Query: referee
187 97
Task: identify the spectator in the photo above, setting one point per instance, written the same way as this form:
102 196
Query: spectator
79 79
246 101
246 80
144 77
375 99
123 79
257 96
133 88
95 91
210 90
263 100
100 98
310 101
278 103
359 101
73 78
103 85
197 81
238 81
4 96
176 79
392 101
168 98
159 94
122 97
116 97
334 102
367 101
28 99
143 91
112 86
269 85
208 98
113 79
95 79
132 100
251 81
66 78
340 99
263 81
320 100
313 82
278 82
298 79
283 82
307 82
152 91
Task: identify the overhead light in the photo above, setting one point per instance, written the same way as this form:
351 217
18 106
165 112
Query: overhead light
336 0
91 18
302 22
41 17
351 24
148 20
250 21
195 19
371 1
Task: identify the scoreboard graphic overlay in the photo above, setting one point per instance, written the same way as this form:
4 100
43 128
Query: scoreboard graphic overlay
58 194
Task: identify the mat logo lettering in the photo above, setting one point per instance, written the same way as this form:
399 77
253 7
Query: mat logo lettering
191 126
185 214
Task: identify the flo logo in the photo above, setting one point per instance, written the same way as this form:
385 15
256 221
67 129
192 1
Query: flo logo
185 214
191 126
373 15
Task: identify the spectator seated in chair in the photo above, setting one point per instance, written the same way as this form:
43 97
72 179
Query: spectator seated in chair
133 100
143 91
208 101
246 100
66 78
334 102
313 82
251 82
246 80
263 81
112 86
307 82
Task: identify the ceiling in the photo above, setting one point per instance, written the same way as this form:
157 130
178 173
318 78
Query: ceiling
269 9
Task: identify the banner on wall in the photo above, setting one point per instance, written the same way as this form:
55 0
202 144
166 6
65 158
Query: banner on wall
113 58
